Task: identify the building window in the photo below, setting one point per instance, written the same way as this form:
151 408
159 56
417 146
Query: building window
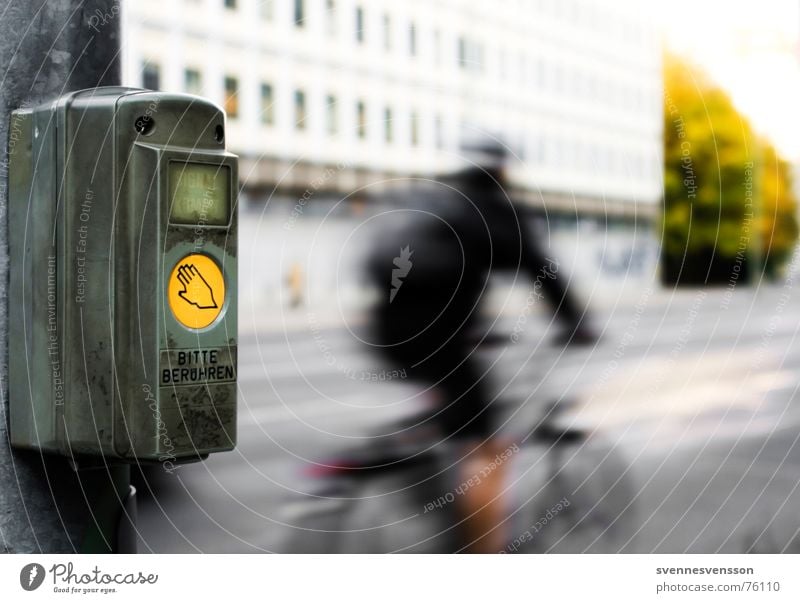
332 113
388 125
230 4
438 132
361 119
470 55
267 9
412 40
267 105
299 13
462 53
359 25
414 129
437 47
299 110
330 17
231 96
151 76
193 81
387 33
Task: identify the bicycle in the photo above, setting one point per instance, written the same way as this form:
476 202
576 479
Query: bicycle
567 491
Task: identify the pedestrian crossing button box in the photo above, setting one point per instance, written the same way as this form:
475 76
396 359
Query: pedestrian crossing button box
122 300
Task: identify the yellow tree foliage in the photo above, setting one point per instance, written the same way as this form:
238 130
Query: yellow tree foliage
727 195
777 220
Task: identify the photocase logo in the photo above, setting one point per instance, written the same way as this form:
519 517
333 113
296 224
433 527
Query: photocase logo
31 576
403 267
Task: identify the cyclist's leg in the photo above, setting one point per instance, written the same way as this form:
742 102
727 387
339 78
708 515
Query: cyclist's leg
483 504
468 418
465 416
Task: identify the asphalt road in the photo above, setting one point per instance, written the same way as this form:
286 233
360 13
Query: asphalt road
689 399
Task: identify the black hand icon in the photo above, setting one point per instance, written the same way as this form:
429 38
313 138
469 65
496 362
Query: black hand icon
196 290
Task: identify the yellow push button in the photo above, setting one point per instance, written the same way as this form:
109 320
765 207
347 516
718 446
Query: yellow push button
196 291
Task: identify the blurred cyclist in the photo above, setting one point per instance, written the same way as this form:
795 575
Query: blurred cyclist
434 264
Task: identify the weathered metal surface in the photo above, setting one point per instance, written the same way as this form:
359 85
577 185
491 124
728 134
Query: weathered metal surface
46 47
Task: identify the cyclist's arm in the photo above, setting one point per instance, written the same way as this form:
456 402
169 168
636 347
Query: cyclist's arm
550 280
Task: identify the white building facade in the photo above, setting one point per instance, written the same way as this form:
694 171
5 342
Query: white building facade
377 89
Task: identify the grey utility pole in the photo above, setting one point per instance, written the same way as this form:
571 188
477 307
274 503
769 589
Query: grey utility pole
48 48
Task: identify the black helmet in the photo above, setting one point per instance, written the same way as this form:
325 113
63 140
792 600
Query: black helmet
484 150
